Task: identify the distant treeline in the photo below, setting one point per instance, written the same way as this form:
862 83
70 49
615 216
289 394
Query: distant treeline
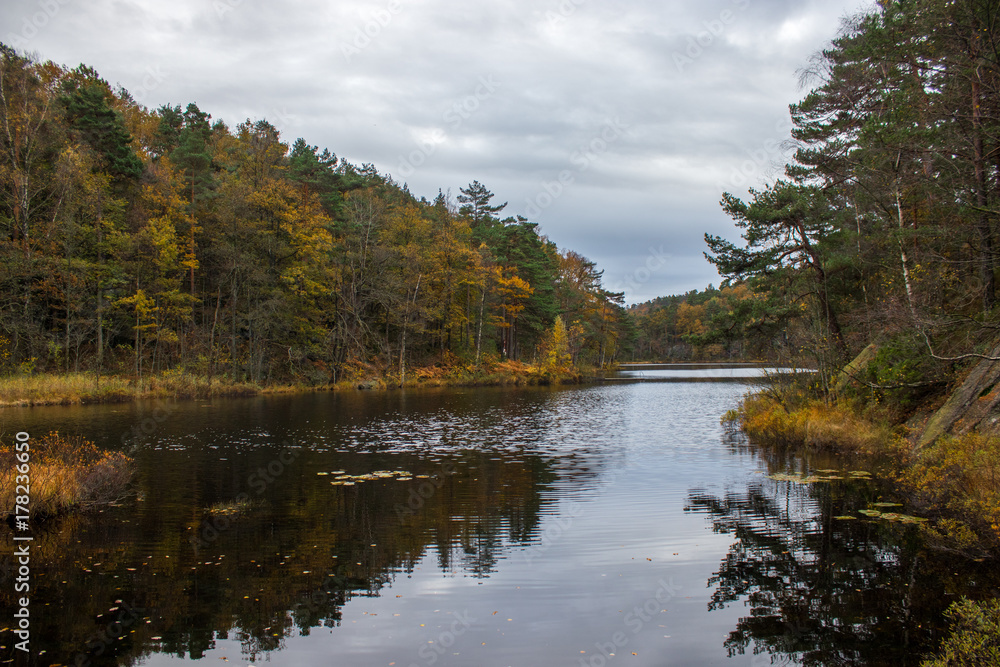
700 326
136 241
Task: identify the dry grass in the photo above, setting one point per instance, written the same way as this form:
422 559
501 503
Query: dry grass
63 474
77 388
816 425
960 475
29 390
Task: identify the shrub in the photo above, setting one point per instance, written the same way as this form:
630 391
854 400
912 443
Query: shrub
65 473
903 371
974 640
961 475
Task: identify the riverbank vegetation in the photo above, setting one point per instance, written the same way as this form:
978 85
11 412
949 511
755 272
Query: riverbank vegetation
884 227
875 256
65 473
141 242
88 387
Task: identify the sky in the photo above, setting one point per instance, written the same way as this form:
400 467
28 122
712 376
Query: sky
615 126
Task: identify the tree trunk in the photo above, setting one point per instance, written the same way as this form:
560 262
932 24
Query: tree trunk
479 332
983 226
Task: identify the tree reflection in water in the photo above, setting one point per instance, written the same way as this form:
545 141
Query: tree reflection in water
828 591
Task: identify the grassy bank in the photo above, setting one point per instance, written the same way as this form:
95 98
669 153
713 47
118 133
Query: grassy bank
61 474
76 388
488 375
83 388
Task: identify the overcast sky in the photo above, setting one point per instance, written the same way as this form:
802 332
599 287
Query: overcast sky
616 126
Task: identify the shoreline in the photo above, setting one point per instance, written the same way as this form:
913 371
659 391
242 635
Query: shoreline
85 389
950 483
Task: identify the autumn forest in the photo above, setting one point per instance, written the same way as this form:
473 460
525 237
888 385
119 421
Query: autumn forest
142 241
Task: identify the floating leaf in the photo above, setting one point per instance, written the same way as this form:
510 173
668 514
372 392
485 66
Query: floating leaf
846 518
887 504
870 512
902 518
784 477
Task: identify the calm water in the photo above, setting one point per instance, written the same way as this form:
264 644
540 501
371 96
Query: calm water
510 527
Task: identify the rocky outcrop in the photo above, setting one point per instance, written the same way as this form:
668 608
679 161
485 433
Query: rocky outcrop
972 406
857 368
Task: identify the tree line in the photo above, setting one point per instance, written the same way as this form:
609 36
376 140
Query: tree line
150 241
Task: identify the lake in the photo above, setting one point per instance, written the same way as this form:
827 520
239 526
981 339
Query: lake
608 524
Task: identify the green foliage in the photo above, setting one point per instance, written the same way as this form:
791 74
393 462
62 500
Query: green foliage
710 325
974 638
94 122
885 226
902 372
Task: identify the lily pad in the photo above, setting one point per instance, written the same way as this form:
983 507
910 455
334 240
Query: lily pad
887 504
785 477
846 518
870 512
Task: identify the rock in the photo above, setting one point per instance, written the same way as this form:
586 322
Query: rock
856 368
971 406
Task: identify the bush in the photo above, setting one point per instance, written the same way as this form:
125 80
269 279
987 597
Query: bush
903 371
65 473
960 475
974 640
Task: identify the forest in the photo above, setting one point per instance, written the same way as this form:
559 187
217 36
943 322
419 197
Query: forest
142 242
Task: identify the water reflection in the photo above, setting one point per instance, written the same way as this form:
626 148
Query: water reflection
238 537
471 527
827 591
